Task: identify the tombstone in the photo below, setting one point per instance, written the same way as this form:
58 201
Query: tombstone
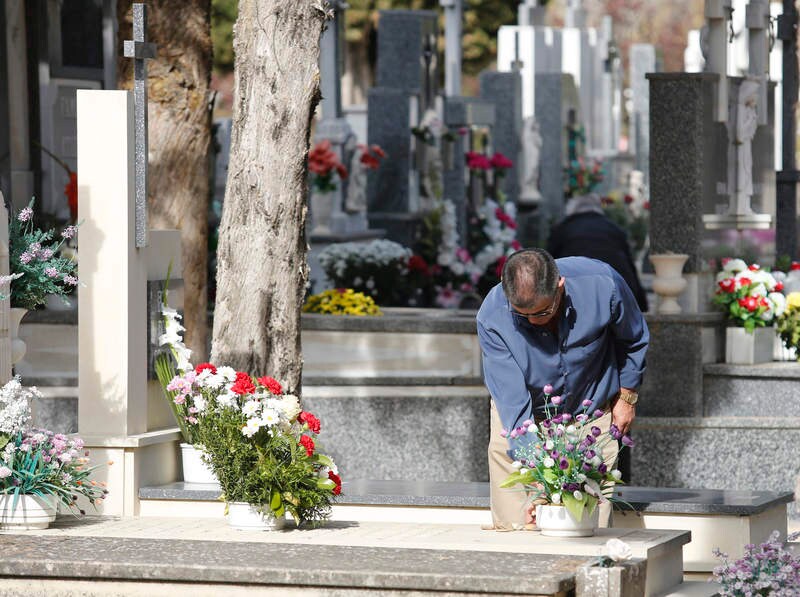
14 54
532 13
609 112
122 415
453 17
406 87
582 53
532 51
505 91
642 61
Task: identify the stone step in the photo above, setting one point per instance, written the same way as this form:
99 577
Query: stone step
727 520
374 558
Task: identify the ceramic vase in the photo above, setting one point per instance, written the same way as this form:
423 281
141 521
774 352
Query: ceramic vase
556 521
246 517
18 346
194 469
669 282
30 512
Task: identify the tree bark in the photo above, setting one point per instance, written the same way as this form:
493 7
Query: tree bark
179 115
261 258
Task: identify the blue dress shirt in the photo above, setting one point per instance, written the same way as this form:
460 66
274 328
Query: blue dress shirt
600 346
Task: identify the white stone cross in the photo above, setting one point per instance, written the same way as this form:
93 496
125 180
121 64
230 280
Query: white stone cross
453 13
140 50
718 15
758 23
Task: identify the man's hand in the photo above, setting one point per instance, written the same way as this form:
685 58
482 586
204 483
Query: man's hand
622 415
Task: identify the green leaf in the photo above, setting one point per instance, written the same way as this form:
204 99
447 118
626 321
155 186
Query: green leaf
591 504
323 460
574 507
550 476
513 479
275 501
325 484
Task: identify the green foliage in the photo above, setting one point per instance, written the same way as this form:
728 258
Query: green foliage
269 468
223 17
788 324
36 267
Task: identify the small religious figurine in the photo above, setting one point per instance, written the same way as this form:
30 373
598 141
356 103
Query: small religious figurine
529 173
746 125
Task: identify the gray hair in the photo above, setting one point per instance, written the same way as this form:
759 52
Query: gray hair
529 275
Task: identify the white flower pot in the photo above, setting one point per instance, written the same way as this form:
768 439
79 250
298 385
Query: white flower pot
556 521
780 352
31 512
669 282
743 348
246 517
194 469
18 346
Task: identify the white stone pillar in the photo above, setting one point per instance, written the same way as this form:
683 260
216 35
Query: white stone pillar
757 21
5 303
118 409
453 14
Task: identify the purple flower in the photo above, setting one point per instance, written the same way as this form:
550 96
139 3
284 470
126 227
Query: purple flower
581 418
547 389
615 432
546 423
596 431
602 468
583 446
590 454
589 439
586 403
69 232
557 419
71 280
587 468
627 440
503 433
557 400
570 447
51 272
527 423
45 254
598 413
26 257
563 464
513 434
566 417
555 454
25 215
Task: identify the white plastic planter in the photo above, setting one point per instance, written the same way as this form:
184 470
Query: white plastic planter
556 521
246 517
743 348
194 469
31 512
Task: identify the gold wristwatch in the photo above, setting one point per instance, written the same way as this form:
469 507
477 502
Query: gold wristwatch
629 396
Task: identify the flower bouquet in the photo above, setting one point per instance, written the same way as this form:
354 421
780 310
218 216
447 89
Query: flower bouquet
341 301
749 296
39 469
324 165
36 267
788 323
259 443
765 569
559 460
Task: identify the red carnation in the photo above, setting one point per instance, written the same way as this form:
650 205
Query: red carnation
417 263
500 161
310 420
337 480
205 367
272 384
628 199
749 302
308 444
795 266
779 287
243 384
754 267
515 244
728 285
744 282
377 150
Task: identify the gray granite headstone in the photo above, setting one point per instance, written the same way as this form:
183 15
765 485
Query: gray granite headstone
505 91
406 85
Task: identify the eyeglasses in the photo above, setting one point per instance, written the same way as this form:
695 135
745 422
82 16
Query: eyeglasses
540 314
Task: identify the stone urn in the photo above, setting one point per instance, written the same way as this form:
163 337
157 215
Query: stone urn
18 346
321 211
669 282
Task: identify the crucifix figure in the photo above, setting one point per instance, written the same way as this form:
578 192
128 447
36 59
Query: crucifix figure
140 50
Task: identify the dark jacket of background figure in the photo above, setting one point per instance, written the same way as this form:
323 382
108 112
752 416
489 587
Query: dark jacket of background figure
591 234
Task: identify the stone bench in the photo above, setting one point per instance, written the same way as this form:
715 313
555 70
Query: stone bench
725 519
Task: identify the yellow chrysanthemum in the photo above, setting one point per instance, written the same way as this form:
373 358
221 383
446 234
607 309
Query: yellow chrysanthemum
344 301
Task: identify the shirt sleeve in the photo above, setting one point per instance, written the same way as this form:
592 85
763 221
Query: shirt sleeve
631 335
505 379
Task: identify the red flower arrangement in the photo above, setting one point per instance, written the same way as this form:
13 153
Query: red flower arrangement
323 163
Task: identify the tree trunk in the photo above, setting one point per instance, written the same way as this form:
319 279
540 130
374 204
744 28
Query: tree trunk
179 116
261 258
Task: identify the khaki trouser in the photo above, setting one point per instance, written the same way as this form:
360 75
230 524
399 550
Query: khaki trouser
509 505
